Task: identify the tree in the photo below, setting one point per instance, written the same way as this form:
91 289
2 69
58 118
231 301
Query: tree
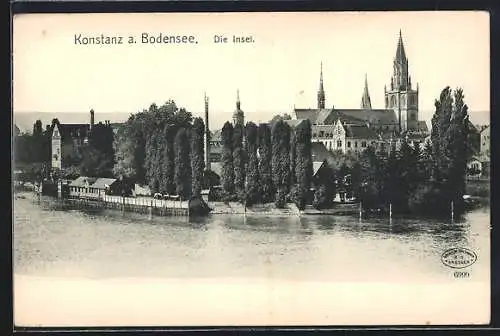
252 175
227 174
303 161
197 156
293 154
94 163
281 160
101 139
182 164
150 162
265 159
457 136
168 163
130 150
449 148
239 161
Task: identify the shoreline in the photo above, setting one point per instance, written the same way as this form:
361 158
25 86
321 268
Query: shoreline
269 210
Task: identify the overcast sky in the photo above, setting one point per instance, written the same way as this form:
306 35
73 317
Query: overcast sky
52 74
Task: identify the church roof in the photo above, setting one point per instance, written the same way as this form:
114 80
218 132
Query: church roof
360 132
374 116
306 114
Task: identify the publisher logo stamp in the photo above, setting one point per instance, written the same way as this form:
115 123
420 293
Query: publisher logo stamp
458 257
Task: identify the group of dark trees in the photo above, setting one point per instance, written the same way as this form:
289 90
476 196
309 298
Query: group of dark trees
164 148
424 181
31 152
97 157
261 164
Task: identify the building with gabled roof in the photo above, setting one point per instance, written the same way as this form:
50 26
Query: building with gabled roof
68 140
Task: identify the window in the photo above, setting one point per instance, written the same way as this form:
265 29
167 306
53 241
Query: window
355 144
339 144
348 144
321 134
363 144
315 135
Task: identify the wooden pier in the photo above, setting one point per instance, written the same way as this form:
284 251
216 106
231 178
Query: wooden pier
144 205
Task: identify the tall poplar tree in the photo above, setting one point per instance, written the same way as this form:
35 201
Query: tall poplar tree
303 165
197 156
265 159
281 161
227 174
252 175
239 161
182 164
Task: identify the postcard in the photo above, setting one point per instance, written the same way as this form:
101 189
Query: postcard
251 169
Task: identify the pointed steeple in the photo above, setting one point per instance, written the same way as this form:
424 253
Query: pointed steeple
238 115
321 90
207 135
400 75
400 51
365 100
238 103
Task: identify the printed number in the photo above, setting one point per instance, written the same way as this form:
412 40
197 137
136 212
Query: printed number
461 274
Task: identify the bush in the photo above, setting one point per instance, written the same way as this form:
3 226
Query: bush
280 200
429 200
298 196
320 198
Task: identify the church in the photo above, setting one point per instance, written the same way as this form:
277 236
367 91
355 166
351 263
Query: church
354 129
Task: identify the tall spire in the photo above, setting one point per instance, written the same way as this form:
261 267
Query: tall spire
321 91
400 51
400 78
365 100
238 103
207 134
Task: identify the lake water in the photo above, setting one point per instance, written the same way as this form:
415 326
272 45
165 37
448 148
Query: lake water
122 269
314 248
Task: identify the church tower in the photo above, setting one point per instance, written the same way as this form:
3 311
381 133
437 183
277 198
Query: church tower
401 97
56 161
238 115
207 136
366 103
321 90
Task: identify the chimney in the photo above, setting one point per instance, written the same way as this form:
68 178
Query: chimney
207 136
91 119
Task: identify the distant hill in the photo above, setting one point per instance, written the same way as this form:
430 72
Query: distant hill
25 120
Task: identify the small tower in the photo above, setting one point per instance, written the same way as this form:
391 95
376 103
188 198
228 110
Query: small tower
238 115
207 136
56 139
366 103
321 90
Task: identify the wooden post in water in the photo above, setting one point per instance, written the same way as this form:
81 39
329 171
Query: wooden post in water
390 210
150 213
452 212
123 203
360 210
